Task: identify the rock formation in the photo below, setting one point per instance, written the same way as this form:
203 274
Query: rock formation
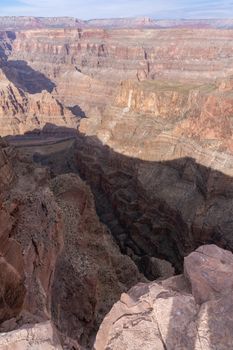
87 65
190 311
167 147
39 336
90 273
144 117
21 112
50 227
31 239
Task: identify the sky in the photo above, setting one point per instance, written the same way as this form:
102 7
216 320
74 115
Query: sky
87 9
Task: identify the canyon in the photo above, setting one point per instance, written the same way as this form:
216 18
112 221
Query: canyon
116 165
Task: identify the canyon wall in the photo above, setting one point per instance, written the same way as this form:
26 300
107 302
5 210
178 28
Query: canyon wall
83 67
149 118
162 155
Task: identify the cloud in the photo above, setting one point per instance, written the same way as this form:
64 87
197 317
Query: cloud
118 8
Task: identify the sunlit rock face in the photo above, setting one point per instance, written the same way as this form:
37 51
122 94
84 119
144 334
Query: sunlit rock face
87 65
183 312
21 111
39 336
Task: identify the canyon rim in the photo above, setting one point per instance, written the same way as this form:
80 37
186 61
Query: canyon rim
116 184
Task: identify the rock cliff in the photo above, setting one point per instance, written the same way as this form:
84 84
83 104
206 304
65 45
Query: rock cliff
58 262
21 111
165 164
144 117
86 65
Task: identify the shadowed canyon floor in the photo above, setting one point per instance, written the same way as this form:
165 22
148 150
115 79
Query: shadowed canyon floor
163 233
116 168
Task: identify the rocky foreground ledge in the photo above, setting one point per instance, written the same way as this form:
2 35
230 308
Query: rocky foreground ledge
189 311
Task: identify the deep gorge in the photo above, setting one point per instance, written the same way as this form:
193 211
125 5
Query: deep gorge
116 191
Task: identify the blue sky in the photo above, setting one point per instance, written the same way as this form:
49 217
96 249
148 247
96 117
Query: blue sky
86 9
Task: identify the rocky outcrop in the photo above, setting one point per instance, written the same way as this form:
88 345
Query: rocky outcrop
190 311
40 336
6 39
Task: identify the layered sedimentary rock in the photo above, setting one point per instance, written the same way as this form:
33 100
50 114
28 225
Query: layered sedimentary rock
117 54
21 111
171 132
156 150
87 65
26 22
190 311
162 156
82 68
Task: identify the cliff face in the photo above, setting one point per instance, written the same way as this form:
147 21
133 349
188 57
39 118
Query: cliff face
199 113
58 262
31 238
86 66
21 111
165 168
90 273
6 39
171 53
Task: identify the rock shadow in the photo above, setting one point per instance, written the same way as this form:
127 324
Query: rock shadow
6 38
165 209
78 111
162 209
26 78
